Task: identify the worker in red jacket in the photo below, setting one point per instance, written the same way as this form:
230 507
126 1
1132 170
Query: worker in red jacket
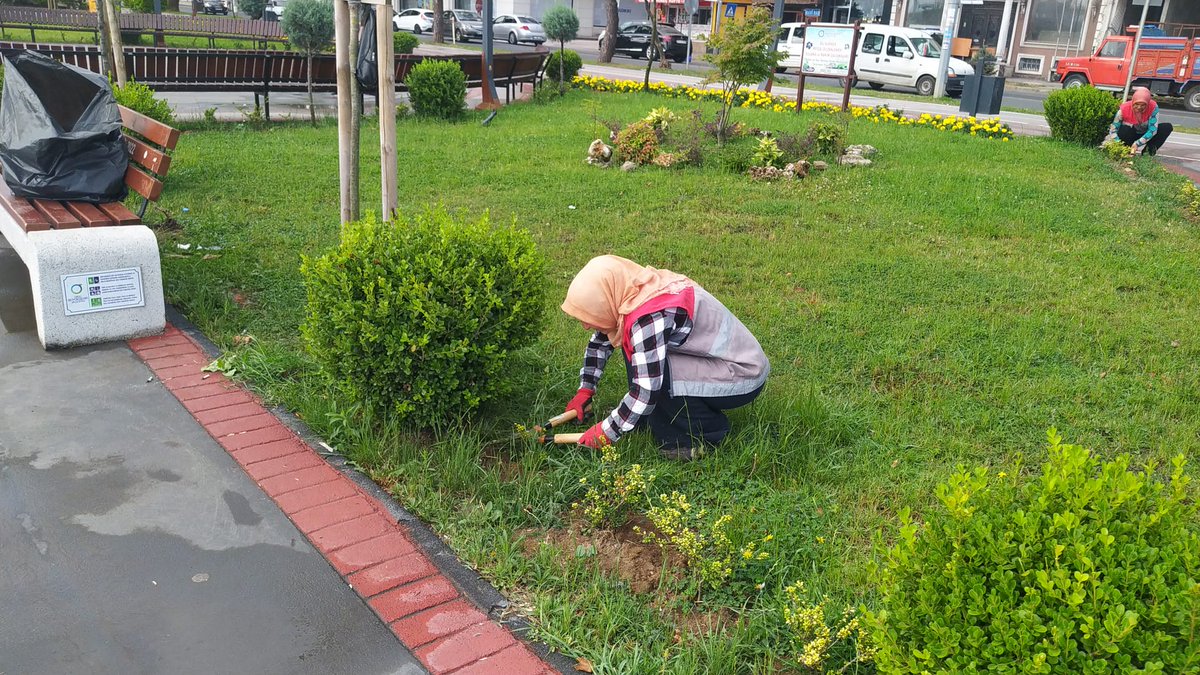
1136 123
688 358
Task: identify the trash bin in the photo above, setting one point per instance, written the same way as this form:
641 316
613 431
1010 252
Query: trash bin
981 95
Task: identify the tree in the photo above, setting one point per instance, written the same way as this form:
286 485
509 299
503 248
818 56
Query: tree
561 23
612 18
439 28
308 25
252 8
652 13
741 54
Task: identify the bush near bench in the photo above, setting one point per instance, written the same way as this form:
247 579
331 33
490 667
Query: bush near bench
437 89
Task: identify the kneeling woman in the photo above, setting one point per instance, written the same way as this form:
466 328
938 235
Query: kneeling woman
1136 123
687 358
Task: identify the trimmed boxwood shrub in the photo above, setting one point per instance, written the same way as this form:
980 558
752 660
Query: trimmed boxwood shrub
571 63
404 43
437 89
1080 115
1088 568
416 318
139 97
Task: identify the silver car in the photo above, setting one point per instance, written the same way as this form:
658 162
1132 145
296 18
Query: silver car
516 28
467 25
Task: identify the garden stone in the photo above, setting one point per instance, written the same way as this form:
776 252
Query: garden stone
599 154
854 160
819 165
861 150
628 166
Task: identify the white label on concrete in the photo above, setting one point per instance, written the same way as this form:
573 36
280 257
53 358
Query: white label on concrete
827 50
102 291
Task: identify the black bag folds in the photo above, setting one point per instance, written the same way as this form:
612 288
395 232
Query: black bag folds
60 132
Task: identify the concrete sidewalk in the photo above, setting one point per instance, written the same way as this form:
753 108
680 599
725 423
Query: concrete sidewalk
157 519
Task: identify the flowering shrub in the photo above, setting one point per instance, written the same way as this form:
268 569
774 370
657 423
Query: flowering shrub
637 143
1190 195
1116 150
753 98
609 500
768 153
815 640
1088 568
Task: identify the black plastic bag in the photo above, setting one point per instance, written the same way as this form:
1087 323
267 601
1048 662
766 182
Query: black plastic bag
60 132
367 64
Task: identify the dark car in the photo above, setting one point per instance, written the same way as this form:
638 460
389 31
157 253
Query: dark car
633 38
215 7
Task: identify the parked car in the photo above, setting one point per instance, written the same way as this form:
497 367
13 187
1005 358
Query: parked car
274 10
215 7
464 24
516 28
415 20
633 39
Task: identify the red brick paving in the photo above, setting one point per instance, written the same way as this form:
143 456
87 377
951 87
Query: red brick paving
358 536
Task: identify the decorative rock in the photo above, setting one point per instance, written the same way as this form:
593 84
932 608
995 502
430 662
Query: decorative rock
854 160
861 150
628 166
819 165
599 154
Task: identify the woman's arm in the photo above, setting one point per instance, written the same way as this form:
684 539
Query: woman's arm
595 356
649 338
1151 129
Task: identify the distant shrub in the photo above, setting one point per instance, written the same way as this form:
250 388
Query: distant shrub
1080 115
139 97
827 138
637 143
417 317
571 63
252 8
404 43
437 89
1190 195
768 154
736 157
1088 568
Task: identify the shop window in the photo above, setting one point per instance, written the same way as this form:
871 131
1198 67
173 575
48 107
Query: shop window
1030 65
1056 22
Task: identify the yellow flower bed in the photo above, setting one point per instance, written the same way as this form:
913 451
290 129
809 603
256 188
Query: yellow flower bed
753 98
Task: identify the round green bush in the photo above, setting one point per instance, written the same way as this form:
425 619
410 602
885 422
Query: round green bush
139 97
437 89
417 317
571 63
1088 568
1080 115
404 43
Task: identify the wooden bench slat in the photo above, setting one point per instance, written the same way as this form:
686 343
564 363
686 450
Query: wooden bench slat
148 157
143 183
28 217
119 214
57 214
89 215
153 130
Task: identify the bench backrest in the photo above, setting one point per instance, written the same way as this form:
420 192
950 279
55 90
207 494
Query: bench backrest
150 144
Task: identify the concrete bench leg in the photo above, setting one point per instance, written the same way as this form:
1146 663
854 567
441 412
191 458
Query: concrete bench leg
57 253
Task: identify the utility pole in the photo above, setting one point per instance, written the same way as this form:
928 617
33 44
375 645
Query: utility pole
1137 43
949 25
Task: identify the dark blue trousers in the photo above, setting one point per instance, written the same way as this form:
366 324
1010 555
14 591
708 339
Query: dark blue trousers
689 421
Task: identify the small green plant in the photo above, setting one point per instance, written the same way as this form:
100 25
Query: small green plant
736 157
309 27
661 119
404 43
210 116
637 143
437 89
741 54
1116 151
139 97
827 138
818 644
417 317
571 63
254 117
767 153
609 500
1190 195
1088 568
562 24
1080 115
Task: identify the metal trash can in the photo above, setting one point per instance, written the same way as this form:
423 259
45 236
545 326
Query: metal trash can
982 95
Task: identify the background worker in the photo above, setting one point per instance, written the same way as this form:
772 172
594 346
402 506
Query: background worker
1136 123
688 358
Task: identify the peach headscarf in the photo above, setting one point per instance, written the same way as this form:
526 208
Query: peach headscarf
609 287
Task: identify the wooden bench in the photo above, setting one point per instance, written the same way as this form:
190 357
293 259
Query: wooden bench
34 19
60 240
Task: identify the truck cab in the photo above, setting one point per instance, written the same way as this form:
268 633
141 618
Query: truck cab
1167 66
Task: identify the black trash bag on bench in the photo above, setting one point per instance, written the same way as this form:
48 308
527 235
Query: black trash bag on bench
60 132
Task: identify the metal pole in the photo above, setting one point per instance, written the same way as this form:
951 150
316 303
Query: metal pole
489 84
950 24
341 42
1002 48
1137 43
387 109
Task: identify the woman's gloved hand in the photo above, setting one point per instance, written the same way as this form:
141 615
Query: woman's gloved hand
581 403
595 438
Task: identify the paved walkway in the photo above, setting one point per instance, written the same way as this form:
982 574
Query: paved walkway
155 518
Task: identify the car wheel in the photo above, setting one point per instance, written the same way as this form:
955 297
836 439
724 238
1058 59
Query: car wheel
458 36
1191 98
842 81
677 59
925 85
416 29
649 53
1075 81
512 38
875 85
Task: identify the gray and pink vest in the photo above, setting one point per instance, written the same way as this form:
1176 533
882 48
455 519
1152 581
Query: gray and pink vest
720 357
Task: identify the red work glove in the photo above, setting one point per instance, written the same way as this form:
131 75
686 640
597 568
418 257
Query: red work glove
581 403
595 438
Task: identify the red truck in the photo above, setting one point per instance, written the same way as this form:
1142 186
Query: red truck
1167 66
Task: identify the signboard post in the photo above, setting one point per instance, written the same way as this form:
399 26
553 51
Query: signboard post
829 50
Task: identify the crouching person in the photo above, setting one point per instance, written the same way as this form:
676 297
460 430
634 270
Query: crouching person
687 358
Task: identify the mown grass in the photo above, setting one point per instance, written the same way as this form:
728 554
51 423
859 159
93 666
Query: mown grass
944 306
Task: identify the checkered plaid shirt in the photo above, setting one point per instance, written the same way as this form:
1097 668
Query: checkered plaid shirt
652 336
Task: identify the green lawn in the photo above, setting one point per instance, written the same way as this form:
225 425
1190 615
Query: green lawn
944 306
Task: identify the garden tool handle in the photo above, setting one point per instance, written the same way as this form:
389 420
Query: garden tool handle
562 418
566 439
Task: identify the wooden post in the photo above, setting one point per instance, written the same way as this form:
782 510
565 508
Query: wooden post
387 108
800 80
850 67
355 112
114 39
341 41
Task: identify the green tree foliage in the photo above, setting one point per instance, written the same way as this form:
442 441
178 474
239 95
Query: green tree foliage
1088 568
252 8
1080 115
561 23
741 54
404 43
308 25
563 66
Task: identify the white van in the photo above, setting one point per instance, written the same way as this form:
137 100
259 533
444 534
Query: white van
895 55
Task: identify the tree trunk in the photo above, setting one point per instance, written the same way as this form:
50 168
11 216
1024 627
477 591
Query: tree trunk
562 86
312 110
652 11
613 19
438 25
355 111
